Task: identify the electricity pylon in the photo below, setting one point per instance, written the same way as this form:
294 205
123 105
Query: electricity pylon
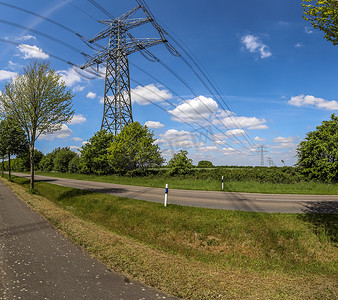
117 111
261 150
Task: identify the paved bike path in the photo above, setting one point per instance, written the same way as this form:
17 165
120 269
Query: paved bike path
37 262
254 202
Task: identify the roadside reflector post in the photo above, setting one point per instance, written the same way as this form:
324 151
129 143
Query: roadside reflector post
222 182
166 195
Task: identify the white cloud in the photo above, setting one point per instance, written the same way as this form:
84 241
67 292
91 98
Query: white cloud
32 52
77 139
281 139
78 119
70 76
26 38
284 142
5 75
228 151
84 143
102 100
255 45
74 148
236 131
208 148
64 132
198 108
248 122
144 94
91 95
258 139
309 100
179 139
219 138
78 88
299 45
308 30
154 124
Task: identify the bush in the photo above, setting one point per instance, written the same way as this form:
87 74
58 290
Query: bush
180 164
205 164
74 165
62 159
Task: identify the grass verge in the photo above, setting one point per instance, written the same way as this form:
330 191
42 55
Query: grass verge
197 253
306 188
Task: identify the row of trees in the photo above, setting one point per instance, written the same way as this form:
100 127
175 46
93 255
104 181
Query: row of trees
38 102
131 152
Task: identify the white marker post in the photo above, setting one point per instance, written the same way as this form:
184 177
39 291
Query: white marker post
222 183
166 195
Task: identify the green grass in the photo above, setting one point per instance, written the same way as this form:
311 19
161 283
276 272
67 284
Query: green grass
258 241
208 184
198 253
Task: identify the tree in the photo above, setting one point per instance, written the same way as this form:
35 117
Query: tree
94 154
22 161
74 165
47 162
205 164
180 164
323 14
133 150
318 153
13 141
37 101
62 159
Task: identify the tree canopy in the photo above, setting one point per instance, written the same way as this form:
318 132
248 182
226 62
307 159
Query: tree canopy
133 150
62 159
318 153
94 154
323 14
180 163
38 102
205 164
13 141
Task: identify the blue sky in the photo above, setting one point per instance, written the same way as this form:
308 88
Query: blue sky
277 75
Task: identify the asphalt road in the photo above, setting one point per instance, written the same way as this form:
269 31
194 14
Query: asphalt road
269 203
36 262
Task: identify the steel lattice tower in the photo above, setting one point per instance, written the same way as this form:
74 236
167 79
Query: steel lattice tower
117 111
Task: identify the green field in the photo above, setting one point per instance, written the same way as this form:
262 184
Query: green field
210 184
197 253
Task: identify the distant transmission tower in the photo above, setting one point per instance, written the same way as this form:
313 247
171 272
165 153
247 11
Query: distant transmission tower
117 111
261 150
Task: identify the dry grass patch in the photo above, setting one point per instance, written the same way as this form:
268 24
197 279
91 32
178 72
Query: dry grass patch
176 274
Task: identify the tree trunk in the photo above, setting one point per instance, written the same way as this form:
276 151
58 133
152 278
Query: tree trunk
9 168
2 167
31 157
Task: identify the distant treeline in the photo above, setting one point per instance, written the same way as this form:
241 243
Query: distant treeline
64 160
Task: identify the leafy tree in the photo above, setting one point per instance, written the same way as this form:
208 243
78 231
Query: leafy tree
22 161
205 164
13 141
37 101
133 150
323 14
74 165
62 159
180 164
47 162
318 153
94 154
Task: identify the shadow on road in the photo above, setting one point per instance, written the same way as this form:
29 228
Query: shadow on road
323 216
